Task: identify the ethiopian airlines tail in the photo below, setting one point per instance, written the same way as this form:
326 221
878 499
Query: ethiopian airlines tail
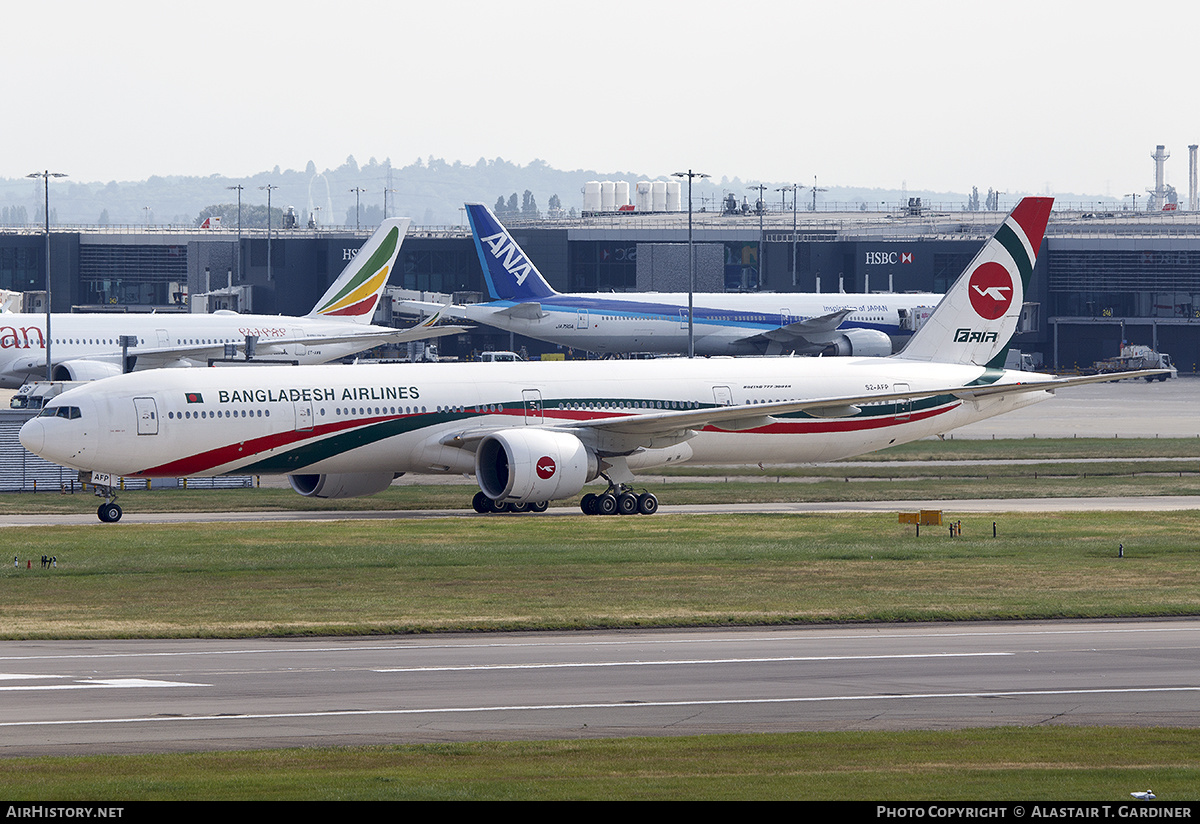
976 320
354 295
509 272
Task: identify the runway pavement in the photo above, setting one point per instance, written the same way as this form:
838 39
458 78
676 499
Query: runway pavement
155 696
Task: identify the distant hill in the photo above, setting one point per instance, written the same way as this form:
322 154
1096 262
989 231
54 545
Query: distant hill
431 191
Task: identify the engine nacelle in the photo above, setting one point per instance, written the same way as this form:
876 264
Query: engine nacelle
85 370
870 343
351 485
533 465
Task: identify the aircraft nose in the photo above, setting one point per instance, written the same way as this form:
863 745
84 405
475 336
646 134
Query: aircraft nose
33 436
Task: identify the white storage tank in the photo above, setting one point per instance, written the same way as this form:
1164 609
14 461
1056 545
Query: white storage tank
621 193
674 196
642 195
608 196
591 196
658 196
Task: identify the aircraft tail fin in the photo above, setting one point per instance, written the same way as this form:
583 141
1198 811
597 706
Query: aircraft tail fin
508 271
355 293
977 319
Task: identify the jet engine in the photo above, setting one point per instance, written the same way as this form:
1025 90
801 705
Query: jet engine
85 370
870 343
533 465
351 485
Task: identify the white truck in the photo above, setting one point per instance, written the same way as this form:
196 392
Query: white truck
1137 356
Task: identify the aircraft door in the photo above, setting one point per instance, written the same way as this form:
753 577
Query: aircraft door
903 407
164 337
298 348
683 319
533 406
722 396
581 319
147 416
304 416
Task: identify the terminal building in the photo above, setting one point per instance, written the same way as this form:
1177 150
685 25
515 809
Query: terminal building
1102 277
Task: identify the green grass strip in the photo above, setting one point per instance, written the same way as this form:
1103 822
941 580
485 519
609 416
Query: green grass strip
1101 765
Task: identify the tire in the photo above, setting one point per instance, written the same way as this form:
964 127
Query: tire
606 504
647 504
588 503
539 506
627 503
109 513
481 503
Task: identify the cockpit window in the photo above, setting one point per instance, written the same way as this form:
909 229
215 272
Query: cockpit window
69 412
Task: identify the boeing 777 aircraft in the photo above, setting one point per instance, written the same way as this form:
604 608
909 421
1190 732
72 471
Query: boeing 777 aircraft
723 324
537 432
86 347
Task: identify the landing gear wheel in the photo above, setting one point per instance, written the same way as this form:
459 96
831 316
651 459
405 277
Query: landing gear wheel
539 506
647 504
481 503
627 503
518 507
606 504
109 513
588 503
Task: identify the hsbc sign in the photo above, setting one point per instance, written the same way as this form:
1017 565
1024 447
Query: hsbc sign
888 258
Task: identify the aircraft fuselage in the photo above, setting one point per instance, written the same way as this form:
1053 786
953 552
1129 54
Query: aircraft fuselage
412 417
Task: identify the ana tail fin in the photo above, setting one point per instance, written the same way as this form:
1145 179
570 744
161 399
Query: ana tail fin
355 293
977 319
509 272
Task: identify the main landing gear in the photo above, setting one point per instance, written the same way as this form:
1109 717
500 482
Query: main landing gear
108 512
486 506
619 500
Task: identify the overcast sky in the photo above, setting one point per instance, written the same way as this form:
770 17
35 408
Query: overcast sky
1057 95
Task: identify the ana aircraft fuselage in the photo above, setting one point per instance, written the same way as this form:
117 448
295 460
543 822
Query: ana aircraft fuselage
722 325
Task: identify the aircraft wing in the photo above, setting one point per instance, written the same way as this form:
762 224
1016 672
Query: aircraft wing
529 310
803 331
421 308
623 434
750 416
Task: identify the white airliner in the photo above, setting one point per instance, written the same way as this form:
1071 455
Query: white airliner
537 432
86 346
723 324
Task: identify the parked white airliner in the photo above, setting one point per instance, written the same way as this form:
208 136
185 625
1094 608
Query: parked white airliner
537 432
88 346
728 323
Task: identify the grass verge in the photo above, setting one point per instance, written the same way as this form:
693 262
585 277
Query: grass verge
356 577
1000 764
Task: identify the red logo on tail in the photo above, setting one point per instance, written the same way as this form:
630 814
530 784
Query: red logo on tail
545 467
991 290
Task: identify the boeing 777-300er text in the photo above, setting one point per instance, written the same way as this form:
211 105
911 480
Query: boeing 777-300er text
764 323
87 346
537 432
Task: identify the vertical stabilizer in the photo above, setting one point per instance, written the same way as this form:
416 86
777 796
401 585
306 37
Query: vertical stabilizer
354 295
509 272
977 319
